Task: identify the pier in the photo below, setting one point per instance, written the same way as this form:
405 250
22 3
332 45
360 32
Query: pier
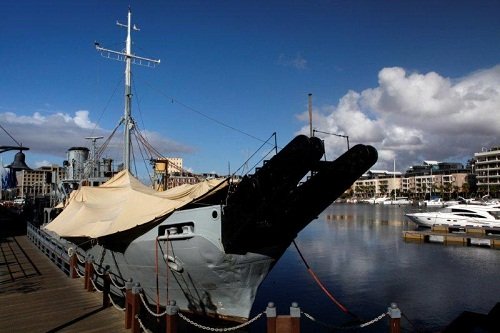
452 235
37 296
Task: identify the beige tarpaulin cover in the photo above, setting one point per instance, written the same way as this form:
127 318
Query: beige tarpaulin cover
121 203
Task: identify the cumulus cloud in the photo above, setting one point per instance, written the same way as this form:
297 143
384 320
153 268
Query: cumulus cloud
411 117
52 135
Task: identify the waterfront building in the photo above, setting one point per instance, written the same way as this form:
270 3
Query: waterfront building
377 183
443 179
37 182
487 170
432 178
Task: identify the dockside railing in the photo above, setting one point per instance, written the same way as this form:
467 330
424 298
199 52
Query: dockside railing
128 296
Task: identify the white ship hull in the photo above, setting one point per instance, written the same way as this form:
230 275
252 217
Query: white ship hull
201 277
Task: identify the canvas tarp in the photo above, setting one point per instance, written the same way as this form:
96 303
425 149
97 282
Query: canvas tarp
120 204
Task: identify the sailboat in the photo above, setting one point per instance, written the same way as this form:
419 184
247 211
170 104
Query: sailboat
208 246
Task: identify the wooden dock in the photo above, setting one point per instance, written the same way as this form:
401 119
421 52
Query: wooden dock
36 296
452 235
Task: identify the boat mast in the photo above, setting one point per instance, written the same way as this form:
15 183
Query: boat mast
129 59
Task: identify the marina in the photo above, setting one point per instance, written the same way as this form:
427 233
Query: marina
94 246
355 250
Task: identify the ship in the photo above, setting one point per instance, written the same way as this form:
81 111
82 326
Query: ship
207 246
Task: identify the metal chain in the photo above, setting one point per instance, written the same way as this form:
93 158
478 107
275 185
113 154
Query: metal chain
114 304
82 261
374 320
225 329
95 286
115 284
362 325
149 310
78 272
96 269
144 328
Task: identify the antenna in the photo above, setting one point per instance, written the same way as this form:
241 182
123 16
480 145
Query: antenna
93 152
129 59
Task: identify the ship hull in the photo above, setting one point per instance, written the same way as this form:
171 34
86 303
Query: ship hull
192 267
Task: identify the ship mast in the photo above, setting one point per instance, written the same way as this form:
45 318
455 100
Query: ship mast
129 59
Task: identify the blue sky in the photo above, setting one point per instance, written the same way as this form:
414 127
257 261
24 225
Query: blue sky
419 80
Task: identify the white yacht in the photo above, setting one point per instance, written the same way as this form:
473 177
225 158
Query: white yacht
433 202
461 215
397 201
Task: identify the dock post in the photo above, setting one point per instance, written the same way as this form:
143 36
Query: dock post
89 274
128 296
171 317
106 288
295 318
133 307
271 317
395 321
73 263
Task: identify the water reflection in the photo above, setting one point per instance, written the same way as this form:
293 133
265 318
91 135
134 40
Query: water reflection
359 253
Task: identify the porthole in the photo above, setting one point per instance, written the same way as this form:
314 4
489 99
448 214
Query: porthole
215 214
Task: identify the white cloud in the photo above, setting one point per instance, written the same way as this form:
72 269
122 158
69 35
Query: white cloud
411 116
43 163
50 136
82 120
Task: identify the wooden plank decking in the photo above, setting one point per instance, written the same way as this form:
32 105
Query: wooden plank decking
36 296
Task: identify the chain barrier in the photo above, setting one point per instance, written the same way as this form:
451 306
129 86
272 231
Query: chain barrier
115 284
115 305
78 272
96 269
95 286
374 320
154 314
225 329
331 327
144 328
82 261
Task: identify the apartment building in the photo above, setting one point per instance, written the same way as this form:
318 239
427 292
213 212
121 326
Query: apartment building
420 181
487 170
37 182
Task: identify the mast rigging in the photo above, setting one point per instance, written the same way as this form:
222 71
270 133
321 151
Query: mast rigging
129 59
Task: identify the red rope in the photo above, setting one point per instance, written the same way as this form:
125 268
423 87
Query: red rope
157 273
321 285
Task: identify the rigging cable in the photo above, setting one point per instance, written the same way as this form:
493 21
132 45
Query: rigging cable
106 106
20 145
321 285
174 100
142 153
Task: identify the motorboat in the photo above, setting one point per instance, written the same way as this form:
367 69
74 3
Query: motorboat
433 202
461 215
397 201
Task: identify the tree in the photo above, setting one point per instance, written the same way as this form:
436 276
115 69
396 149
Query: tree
472 182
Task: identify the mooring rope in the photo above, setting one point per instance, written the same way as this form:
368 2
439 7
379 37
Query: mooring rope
322 286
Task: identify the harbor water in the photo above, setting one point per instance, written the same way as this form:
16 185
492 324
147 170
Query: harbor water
358 252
